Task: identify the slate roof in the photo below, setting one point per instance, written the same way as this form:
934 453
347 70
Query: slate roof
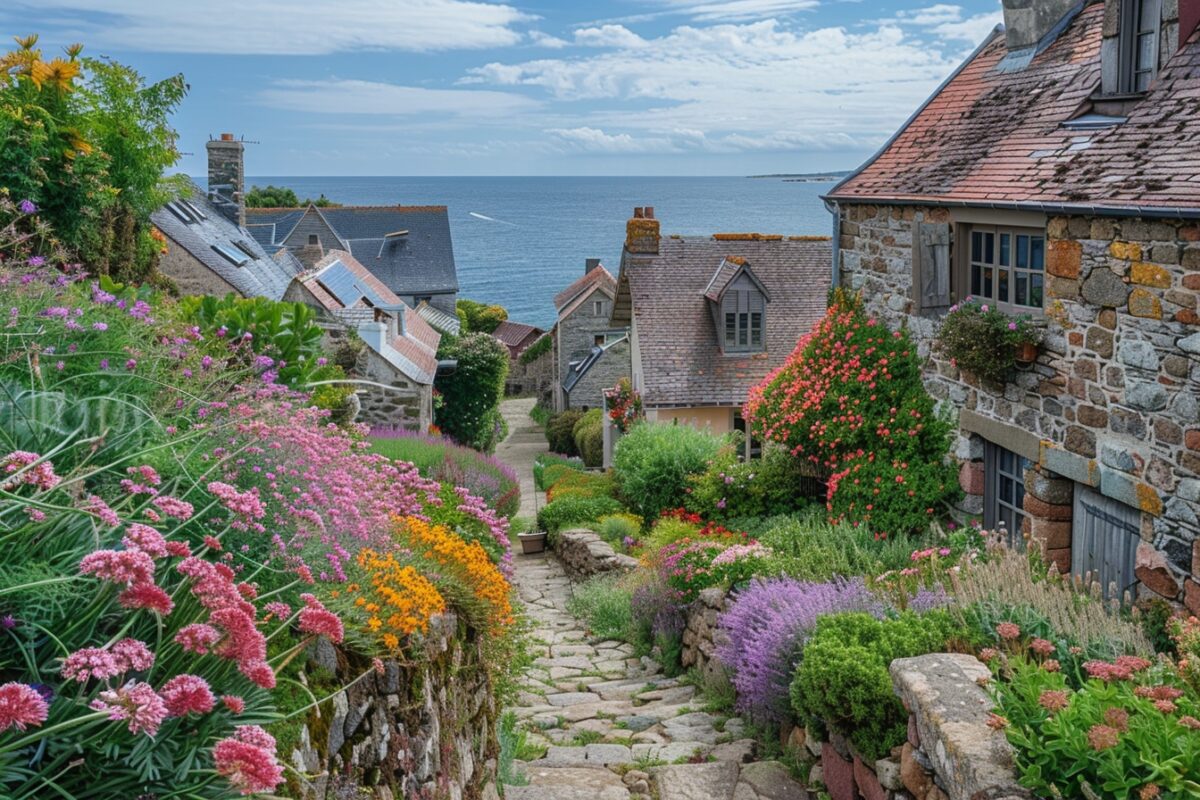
581 368
599 276
446 323
681 361
349 292
260 276
990 136
514 334
420 262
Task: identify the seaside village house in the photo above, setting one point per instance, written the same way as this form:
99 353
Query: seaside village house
516 338
1055 174
399 352
710 316
590 354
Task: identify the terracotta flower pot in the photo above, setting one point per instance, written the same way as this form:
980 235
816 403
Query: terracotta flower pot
1027 352
532 542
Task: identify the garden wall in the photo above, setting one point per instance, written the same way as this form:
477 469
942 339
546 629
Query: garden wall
584 554
424 728
701 636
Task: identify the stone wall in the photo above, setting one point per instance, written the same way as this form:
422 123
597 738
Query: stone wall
575 335
190 275
425 728
1113 400
701 636
405 404
535 378
584 554
616 363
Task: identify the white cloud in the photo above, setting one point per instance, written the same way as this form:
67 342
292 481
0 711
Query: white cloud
594 140
387 99
608 36
973 30
737 10
542 39
933 15
280 27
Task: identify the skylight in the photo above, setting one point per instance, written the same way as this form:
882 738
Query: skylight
245 247
182 214
235 257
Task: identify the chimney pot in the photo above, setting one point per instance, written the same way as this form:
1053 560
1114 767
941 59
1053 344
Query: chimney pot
649 212
226 137
642 232
637 212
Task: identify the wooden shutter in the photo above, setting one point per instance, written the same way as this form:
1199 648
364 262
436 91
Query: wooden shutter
931 264
1104 539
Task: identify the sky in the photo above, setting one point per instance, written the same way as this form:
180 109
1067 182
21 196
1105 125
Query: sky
537 87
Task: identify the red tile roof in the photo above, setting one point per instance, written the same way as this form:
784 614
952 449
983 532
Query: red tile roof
514 334
598 276
676 338
994 136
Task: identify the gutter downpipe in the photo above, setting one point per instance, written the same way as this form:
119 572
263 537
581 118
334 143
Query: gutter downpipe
836 272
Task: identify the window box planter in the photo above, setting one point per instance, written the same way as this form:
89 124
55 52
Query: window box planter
532 542
986 342
1027 352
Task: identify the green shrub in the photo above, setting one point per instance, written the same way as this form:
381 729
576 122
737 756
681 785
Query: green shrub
811 548
549 467
984 342
653 463
852 396
571 510
767 486
588 434
668 530
616 528
480 317
560 432
562 481
471 394
604 604
537 349
843 675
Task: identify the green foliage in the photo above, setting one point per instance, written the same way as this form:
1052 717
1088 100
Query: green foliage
87 141
668 530
851 399
540 414
283 197
548 467
536 350
763 487
1102 740
480 317
843 674
808 547
983 340
471 394
514 746
565 481
575 510
603 602
653 463
560 432
616 528
588 434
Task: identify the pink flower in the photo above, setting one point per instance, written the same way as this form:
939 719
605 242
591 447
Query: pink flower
244 504
124 566
146 473
234 703
260 673
42 476
174 507
1053 700
1117 718
1103 737
1188 721
187 694
247 760
212 542
320 621
89 662
144 538
21 705
1165 706
377 665
97 506
1042 647
996 722
280 610
197 637
988 653
137 703
1051 665
1008 630
179 549
130 654
147 596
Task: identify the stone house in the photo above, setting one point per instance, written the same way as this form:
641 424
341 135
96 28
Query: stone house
516 338
398 355
710 316
1053 174
583 337
208 249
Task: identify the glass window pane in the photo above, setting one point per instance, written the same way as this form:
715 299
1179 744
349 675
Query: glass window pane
1147 15
743 329
975 284
1005 248
756 329
1022 297
1002 279
1023 252
1145 51
976 246
731 329
987 282
1035 290
989 244
1037 252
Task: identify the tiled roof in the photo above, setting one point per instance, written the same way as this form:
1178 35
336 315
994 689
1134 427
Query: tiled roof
260 276
579 369
346 289
513 334
420 262
681 361
446 323
599 276
995 136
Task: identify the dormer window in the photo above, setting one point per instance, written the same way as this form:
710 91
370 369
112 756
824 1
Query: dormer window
743 329
1139 44
739 307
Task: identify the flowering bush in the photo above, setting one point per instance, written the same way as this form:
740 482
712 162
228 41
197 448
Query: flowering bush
624 405
691 565
652 463
1131 730
851 401
471 394
1185 632
983 340
763 487
392 601
766 627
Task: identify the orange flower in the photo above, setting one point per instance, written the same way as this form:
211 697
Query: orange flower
397 600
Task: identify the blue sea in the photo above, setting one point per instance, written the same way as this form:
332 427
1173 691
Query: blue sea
520 240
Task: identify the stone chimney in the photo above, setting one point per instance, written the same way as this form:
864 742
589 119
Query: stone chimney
590 264
310 253
1027 21
641 232
227 176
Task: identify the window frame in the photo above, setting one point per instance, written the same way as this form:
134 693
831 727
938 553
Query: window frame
967 263
1009 508
743 331
1132 33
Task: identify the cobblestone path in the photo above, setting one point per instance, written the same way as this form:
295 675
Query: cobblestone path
614 727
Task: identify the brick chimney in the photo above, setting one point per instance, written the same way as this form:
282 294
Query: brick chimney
1189 19
641 232
1027 21
227 176
310 253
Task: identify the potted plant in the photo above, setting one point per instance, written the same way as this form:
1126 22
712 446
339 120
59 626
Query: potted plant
624 405
532 541
982 340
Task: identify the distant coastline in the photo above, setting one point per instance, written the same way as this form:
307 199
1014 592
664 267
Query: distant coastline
805 177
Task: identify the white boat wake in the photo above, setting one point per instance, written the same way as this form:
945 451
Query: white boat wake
491 219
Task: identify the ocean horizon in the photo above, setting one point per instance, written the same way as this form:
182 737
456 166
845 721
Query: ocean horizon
520 240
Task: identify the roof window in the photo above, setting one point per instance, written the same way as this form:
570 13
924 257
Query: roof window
233 256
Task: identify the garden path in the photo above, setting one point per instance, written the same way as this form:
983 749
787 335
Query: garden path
614 727
525 441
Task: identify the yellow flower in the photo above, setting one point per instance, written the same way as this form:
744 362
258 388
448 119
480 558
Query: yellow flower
62 74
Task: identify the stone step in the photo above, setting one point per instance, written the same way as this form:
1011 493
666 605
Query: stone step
568 783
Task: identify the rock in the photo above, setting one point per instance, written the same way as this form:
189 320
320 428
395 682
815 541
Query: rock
1145 395
888 772
1104 288
1139 354
867 782
550 783
838 774
637 722
670 752
714 781
698 726
767 780
816 776
572 698
740 751
914 777
1190 344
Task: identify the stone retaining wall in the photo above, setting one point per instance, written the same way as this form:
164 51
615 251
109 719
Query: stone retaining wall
424 728
701 636
584 554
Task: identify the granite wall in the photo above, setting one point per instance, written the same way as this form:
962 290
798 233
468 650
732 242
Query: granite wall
422 729
584 554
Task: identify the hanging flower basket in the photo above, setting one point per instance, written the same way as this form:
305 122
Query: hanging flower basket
624 405
986 342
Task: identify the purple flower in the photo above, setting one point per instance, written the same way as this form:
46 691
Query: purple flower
8 622
928 599
27 207
322 361
721 503
206 362
37 261
104 363
99 326
131 365
101 296
766 627
1012 326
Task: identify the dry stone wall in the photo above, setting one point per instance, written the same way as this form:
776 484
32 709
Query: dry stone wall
584 554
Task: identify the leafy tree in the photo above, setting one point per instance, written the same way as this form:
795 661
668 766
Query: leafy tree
471 394
282 197
481 317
